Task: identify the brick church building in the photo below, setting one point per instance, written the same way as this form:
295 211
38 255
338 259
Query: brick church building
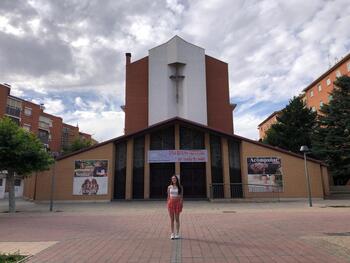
178 120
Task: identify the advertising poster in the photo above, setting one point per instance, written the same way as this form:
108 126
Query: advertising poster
265 174
90 177
173 156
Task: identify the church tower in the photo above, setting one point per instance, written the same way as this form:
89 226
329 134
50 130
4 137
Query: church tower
177 79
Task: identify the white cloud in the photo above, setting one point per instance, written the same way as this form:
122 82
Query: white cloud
102 126
79 103
274 49
246 125
6 27
52 106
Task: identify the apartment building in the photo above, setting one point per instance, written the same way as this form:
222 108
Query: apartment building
266 124
51 130
316 94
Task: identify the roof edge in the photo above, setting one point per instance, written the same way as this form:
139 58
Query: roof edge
181 120
327 73
269 117
176 36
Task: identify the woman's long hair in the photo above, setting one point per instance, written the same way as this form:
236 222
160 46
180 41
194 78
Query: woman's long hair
178 185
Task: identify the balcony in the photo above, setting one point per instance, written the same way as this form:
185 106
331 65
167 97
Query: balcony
44 125
13 111
43 136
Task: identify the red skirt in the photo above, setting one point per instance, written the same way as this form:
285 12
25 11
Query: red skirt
175 205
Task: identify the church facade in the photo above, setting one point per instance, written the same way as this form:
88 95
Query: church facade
178 120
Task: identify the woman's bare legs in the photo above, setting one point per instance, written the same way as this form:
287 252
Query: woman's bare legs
172 221
177 219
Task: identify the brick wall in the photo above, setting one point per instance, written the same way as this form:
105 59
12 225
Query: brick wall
218 97
136 96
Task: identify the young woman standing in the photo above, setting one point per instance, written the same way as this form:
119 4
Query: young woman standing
175 202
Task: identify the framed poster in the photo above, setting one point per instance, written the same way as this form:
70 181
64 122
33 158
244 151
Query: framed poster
265 174
90 177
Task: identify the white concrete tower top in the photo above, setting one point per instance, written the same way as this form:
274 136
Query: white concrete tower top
177 82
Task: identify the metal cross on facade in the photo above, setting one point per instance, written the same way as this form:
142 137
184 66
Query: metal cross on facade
177 78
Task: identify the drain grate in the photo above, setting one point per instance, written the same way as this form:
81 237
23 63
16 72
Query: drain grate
229 212
340 234
339 206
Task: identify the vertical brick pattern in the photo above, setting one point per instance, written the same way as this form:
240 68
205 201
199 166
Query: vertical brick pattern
64 175
55 132
218 97
4 92
32 120
323 95
136 96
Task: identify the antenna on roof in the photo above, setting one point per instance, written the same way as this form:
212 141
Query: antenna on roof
329 61
336 60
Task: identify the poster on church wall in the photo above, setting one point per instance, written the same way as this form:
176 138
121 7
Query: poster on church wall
90 177
265 174
173 156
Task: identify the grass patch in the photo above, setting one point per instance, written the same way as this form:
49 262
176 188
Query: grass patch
11 257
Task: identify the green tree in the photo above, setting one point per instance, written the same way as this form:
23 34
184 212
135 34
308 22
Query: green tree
294 126
21 152
77 145
331 139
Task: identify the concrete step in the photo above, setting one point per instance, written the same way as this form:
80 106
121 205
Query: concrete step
339 196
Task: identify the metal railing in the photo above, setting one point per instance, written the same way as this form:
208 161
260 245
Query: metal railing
247 191
13 111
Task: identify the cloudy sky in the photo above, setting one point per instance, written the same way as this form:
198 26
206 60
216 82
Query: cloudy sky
69 54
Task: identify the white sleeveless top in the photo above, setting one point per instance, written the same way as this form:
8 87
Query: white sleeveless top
173 191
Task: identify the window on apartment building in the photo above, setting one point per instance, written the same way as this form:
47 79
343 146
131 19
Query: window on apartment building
328 82
28 111
14 103
319 86
65 137
311 93
26 127
313 108
13 107
45 123
348 66
18 182
338 73
321 103
43 136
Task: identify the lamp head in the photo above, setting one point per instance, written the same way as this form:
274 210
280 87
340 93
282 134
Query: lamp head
304 149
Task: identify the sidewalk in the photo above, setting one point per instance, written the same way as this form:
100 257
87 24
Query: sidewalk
211 232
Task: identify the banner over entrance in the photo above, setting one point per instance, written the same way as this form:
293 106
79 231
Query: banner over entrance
181 156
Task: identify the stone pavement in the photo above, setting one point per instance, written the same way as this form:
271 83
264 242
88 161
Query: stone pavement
211 232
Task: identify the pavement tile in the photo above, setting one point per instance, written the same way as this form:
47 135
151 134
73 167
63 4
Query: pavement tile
139 232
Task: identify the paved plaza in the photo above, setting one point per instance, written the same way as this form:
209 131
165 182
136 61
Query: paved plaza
138 231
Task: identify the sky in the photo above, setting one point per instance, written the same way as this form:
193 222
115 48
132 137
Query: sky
70 54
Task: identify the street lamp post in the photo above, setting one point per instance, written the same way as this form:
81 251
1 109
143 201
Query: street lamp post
54 155
304 149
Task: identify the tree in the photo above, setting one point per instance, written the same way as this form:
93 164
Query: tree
294 126
21 152
77 145
331 139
